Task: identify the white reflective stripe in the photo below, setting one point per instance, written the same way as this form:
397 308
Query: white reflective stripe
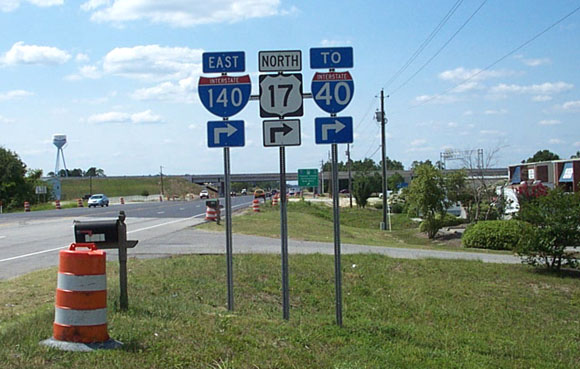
80 317
73 282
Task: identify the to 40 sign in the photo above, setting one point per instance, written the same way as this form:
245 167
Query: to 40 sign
332 91
224 96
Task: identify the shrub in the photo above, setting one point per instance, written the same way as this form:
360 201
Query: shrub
145 193
495 234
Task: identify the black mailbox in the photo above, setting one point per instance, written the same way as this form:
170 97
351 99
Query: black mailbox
101 232
108 234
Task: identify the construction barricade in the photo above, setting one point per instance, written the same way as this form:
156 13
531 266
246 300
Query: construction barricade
26 206
81 300
57 204
80 203
256 206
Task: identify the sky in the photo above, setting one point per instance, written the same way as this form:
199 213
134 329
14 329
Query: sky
119 79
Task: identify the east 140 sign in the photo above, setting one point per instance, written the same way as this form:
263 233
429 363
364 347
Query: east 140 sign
225 96
333 91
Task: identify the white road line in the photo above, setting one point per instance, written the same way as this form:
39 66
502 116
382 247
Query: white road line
32 254
133 231
1 237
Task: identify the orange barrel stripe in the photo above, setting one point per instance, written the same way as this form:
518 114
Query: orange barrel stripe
81 296
256 205
210 213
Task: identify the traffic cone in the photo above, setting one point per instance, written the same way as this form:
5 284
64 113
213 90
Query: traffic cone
80 319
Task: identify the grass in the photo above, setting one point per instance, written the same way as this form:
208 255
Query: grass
313 222
73 188
397 314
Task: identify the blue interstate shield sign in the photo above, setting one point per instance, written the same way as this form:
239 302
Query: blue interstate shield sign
224 96
333 91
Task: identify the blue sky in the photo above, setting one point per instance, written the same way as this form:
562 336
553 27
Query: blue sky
119 78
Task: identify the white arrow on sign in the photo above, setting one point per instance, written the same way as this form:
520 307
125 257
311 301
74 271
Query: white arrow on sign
336 126
230 130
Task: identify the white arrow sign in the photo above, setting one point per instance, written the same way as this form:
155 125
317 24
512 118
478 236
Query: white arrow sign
336 126
230 130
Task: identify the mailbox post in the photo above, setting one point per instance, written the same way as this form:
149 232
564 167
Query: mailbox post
109 234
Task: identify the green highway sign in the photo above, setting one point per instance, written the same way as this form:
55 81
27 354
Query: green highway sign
308 177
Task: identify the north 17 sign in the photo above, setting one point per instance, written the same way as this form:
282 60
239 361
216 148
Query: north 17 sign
224 96
281 95
333 91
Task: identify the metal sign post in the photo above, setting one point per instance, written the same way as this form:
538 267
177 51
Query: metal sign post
225 96
332 92
281 96
336 216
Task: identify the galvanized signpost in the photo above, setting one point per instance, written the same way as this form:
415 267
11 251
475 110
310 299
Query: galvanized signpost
332 92
225 96
281 96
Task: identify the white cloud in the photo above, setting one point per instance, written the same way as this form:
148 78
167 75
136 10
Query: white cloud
418 142
495 112
543 89
331 43
571 105
82 58
536 62
181 92
468 113
452 124
436 99
146 62
555 141
10 5
475 76
14 94
146 116
492 132
549 122
541 98
21 53
6 120
181 13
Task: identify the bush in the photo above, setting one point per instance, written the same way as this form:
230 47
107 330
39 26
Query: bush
495 234
145 193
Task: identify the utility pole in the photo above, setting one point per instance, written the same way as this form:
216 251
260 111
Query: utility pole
383 159
161 171
349 174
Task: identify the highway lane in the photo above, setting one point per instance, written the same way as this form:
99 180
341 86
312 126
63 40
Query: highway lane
30 241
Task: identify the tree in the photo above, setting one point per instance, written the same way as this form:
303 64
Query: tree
395 180
427 197
542 155
575 156
16 183
555 217
94 172
362 188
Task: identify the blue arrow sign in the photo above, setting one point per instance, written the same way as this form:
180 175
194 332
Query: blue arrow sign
331 57
333 91
333 130
224 62
224 96
225 133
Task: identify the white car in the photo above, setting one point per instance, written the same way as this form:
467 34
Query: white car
98 200
203 194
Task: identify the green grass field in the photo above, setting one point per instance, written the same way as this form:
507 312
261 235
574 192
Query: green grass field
397 314
74 188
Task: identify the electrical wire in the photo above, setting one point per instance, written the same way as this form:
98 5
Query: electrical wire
424 44
498 60
440 49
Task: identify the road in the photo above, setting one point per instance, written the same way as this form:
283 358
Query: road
30 241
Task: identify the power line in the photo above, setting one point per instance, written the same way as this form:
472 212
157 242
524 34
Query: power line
424 44
500 59
441 48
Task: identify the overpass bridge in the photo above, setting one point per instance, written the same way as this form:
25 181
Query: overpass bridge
491 174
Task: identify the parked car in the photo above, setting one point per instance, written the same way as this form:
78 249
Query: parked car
233 194
98 200
203 194
258 192
244 192
344 190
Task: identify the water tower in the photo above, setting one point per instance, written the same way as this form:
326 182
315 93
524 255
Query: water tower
59 141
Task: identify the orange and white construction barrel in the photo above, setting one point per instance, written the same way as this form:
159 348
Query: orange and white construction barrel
256 205
26 206
275 200
210 214
57 204
80 203
122 201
